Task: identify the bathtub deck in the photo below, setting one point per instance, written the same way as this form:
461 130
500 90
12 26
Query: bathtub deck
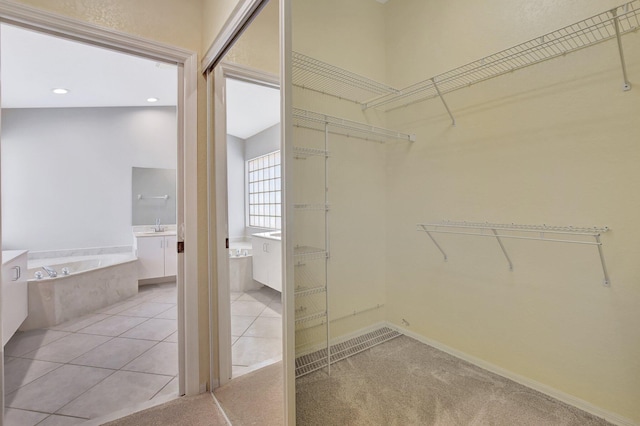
114 358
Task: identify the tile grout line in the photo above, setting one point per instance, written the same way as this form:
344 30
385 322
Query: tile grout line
113 371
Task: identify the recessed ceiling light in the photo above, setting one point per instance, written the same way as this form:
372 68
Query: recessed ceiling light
152 100
60 91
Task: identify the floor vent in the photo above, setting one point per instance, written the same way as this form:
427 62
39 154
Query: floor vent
317 360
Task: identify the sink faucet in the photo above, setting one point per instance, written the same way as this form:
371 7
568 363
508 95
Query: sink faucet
52 272
158 228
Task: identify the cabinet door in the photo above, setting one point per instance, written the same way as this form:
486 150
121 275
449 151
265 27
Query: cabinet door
275 265
14 296
170 255
260 260
150 252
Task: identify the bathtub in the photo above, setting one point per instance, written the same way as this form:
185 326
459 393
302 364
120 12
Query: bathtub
241 268
93 282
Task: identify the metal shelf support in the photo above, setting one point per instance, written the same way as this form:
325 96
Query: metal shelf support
626 86
435 85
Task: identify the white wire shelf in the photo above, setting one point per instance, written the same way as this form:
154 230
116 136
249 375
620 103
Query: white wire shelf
313 74
342 317
308 280
301 153
599 28
317 360
313 207
568 234
304 291
321 122
309 253
311 317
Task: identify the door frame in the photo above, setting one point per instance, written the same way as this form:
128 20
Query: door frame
218 185
69 28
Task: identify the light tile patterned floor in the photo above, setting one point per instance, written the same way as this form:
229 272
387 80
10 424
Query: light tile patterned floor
120 356
256 329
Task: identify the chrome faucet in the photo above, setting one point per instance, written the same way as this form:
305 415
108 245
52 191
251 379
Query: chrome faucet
52 272
158 228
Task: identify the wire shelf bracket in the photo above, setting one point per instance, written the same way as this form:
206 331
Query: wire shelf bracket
599 28
561 234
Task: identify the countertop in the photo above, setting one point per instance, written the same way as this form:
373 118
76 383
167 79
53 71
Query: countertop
272 235
148 231
9 255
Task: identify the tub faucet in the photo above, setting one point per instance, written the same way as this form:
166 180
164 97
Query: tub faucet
52 272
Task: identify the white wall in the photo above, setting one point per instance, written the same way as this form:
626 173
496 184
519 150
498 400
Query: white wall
66 173
263 143
238 152
236 186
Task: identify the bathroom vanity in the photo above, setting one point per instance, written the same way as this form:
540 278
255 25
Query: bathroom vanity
14 295
156 252
267 259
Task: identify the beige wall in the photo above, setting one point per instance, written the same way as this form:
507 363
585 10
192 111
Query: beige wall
214 15
177 23
552 144
258 47
174 22
357 267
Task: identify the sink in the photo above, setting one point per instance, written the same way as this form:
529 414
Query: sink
276 234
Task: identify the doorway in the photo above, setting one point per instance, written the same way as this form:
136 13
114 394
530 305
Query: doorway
187 330
254 189
248 178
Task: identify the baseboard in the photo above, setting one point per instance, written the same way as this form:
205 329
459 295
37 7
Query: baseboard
542 388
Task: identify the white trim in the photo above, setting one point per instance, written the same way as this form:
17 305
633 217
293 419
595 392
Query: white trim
219 228
286 145
66 27
250 75
191 331
219 305
30 17
241 16
540 387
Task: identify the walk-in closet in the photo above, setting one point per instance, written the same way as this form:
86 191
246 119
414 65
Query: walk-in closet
463 179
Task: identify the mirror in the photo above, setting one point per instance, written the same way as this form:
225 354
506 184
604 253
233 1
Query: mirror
153 196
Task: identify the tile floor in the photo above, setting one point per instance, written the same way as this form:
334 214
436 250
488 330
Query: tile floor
119 356
256 329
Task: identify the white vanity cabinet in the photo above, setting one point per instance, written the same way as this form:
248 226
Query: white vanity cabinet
14 292
157 255
267 259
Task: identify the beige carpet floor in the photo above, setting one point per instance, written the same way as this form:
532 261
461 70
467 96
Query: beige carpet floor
200 410
404 382
257 398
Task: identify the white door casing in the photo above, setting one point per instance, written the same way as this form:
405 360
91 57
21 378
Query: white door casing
62 26
218 214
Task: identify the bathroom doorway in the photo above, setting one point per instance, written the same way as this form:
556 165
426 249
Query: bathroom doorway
248 186
254 194
47 345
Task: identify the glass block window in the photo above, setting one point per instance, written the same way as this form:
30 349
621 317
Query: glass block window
264 191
